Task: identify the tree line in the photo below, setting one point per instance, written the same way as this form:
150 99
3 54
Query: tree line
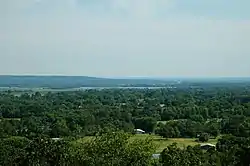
183 112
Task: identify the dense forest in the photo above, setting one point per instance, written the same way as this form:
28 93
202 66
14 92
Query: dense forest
29 121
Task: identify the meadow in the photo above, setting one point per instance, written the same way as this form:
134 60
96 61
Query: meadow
161 143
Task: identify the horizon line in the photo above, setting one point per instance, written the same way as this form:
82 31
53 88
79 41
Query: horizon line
124 77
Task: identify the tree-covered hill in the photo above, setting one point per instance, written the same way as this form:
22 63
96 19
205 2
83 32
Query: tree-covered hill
74 82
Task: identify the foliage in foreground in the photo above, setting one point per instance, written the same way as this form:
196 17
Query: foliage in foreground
108 149
113 149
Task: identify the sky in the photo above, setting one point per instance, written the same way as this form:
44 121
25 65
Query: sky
154 38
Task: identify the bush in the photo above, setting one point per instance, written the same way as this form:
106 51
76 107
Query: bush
204 137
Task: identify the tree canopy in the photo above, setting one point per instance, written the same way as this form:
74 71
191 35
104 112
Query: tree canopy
44 128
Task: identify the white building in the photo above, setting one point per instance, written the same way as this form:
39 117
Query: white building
139 131
207 146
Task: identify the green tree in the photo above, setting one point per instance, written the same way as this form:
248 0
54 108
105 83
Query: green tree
12 150
113 149
204 137
147 124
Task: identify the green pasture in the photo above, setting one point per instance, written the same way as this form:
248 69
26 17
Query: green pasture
162 143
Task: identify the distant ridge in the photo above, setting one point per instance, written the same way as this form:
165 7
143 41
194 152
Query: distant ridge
30 81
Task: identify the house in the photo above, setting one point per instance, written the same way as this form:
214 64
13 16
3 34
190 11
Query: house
139 131
56 139
162 105
156 156
207 146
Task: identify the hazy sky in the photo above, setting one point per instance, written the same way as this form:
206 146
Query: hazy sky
125 37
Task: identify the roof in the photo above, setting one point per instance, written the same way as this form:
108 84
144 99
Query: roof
162 105
56 139
139 130
208 144
156 156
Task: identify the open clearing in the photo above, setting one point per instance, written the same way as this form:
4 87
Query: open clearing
162 143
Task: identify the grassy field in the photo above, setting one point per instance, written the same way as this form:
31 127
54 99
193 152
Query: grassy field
162 143
16 119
